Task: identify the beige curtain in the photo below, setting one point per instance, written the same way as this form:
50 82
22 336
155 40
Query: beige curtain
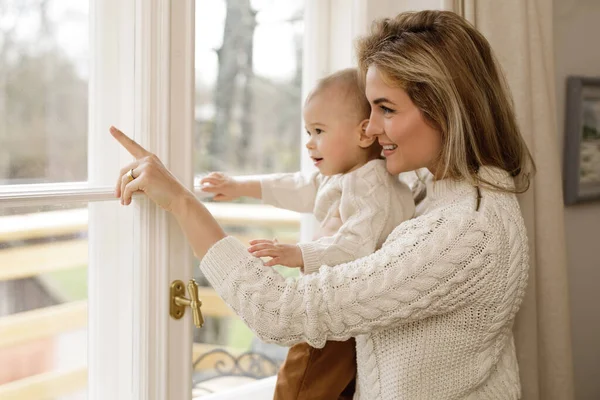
521 34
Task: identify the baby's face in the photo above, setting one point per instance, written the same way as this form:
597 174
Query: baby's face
333 131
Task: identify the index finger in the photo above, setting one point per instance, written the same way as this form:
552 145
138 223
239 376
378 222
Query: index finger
130 145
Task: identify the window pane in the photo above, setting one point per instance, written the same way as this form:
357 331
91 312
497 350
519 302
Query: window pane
43 91
247 121
248 86
43 300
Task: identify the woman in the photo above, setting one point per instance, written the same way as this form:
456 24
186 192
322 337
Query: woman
432 311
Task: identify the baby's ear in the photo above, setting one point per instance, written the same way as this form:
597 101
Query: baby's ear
363 140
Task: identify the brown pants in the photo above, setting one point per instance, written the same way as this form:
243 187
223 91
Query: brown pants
318 374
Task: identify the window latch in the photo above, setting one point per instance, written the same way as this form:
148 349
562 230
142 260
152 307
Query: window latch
179 301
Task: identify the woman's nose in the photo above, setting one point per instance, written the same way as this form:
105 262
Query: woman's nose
373 128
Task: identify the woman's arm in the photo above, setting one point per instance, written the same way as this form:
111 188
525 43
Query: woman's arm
147 174
431 265
197 223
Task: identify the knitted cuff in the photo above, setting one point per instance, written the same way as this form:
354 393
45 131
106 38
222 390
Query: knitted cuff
223 258
311 254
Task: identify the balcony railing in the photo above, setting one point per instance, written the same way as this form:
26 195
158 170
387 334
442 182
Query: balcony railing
30 260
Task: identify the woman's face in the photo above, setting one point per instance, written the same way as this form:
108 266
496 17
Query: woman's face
409 143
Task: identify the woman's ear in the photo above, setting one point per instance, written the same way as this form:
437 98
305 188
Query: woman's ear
363 140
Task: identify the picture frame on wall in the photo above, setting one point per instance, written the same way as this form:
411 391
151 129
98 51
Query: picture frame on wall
582 140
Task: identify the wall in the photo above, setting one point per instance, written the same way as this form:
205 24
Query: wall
576 52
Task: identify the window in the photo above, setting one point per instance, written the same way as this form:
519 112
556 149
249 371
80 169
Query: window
60 90
64 281
248 97
44 73
248 86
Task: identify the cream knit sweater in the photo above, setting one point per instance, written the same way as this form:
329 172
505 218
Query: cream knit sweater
431 311
362 207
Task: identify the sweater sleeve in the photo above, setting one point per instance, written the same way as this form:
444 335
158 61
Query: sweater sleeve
291 191
430 265
364 210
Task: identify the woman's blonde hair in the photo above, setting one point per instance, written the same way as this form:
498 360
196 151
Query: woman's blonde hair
450 73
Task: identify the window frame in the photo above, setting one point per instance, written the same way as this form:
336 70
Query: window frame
141 80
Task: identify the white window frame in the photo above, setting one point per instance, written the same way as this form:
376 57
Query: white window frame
134 348
158 56
110 294
165 92
137 85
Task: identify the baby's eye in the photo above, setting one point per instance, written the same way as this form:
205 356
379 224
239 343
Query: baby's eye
318 131
308 132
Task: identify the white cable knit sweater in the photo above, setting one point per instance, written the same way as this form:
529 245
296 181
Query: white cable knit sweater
362 207
431 311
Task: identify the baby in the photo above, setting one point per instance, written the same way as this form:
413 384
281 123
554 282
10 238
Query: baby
357 204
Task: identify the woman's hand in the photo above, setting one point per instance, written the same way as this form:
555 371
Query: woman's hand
288 255
224 187
149 176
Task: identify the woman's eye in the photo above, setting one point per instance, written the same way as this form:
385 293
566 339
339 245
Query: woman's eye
386 110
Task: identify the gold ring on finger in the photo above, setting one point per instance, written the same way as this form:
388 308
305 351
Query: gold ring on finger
130 175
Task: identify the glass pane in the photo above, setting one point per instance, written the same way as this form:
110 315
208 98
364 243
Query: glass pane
43 300
247 121
43 91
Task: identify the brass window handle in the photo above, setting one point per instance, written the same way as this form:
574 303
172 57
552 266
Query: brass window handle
179 301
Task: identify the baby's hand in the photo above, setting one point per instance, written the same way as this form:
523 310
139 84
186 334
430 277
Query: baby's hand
224 187
289 255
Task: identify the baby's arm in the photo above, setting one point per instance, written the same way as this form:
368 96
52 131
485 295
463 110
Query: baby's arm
227 188
292 191
365 212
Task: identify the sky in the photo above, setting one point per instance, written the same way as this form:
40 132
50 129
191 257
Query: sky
273 40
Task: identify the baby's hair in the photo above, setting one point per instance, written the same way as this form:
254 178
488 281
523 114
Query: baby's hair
352 87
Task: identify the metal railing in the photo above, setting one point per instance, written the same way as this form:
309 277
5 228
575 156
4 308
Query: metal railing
32 258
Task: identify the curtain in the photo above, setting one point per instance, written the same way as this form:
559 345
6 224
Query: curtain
521 34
